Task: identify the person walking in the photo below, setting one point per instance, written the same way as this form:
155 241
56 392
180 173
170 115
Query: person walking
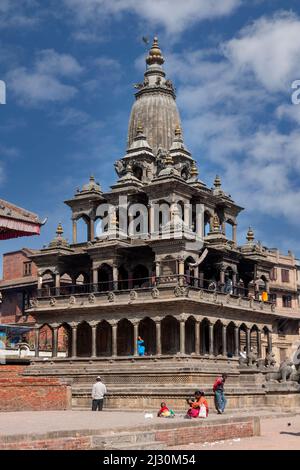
98 392
218 389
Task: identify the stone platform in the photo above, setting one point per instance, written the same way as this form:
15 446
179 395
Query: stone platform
115 430
142 383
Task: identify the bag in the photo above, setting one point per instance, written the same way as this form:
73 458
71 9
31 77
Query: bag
202 411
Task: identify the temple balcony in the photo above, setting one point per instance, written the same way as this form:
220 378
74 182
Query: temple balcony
150 290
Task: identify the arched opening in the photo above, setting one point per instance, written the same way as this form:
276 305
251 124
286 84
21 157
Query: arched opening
83 224
228 275
123 278
105 278
162 216
84 340
266 340
64 346
254 339
218 343
45 338
104 339
140 276
230 342
48 283
138 172
204 335
82 281
125 338
147 331
189 271
170 335
207 223
190 336
65 284
243 338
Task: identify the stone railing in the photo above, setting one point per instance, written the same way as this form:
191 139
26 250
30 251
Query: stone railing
155 294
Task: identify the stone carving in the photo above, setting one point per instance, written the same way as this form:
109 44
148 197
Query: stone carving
52 302
33 302
250 360
72 300
181 291
138 86
120 168
133 295
155 293
284 373
270 360
111 297
92 299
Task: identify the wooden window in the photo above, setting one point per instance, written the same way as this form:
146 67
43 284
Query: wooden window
27 268
273 274
285 275
287 301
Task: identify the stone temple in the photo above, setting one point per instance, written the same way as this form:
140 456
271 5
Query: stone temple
171 271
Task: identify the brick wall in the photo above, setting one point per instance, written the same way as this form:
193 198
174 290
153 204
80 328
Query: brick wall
18 393
170 434
13 265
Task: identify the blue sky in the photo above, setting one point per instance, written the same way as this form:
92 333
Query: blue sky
69 66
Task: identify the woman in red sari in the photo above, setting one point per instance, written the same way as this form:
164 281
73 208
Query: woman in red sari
196 404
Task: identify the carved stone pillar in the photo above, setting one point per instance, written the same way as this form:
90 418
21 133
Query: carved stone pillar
40 282
196 276
224 342
211 339
181 271
158 337
94 339
95 279
114 339
135 337
248 341
259 343
74 341
151 219
269 341
36 340
57 284
115 277
55 341
222 276
234 231
186 214
197 337
182 336
236 341
74 231
92 230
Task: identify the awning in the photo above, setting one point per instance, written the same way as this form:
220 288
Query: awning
10 228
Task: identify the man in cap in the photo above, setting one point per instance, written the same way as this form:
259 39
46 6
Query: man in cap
98 392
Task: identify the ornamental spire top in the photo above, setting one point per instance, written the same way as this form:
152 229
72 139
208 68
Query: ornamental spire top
155 56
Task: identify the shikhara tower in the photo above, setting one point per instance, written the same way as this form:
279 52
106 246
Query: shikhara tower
198 302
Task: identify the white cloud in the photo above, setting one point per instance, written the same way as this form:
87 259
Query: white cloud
42 83
234 108
269 48
174 15
18 13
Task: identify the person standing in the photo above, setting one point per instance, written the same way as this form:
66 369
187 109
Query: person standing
218 389
141 346
98 392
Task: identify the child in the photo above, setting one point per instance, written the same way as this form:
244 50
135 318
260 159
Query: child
164 411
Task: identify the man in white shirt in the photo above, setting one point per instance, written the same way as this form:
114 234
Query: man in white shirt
98 392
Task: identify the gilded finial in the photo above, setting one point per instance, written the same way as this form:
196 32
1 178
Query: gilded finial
250 235
217 182
155 55
169 159
139 129
59 230
178 131
194 169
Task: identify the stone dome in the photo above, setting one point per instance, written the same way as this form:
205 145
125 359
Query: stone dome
155 106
